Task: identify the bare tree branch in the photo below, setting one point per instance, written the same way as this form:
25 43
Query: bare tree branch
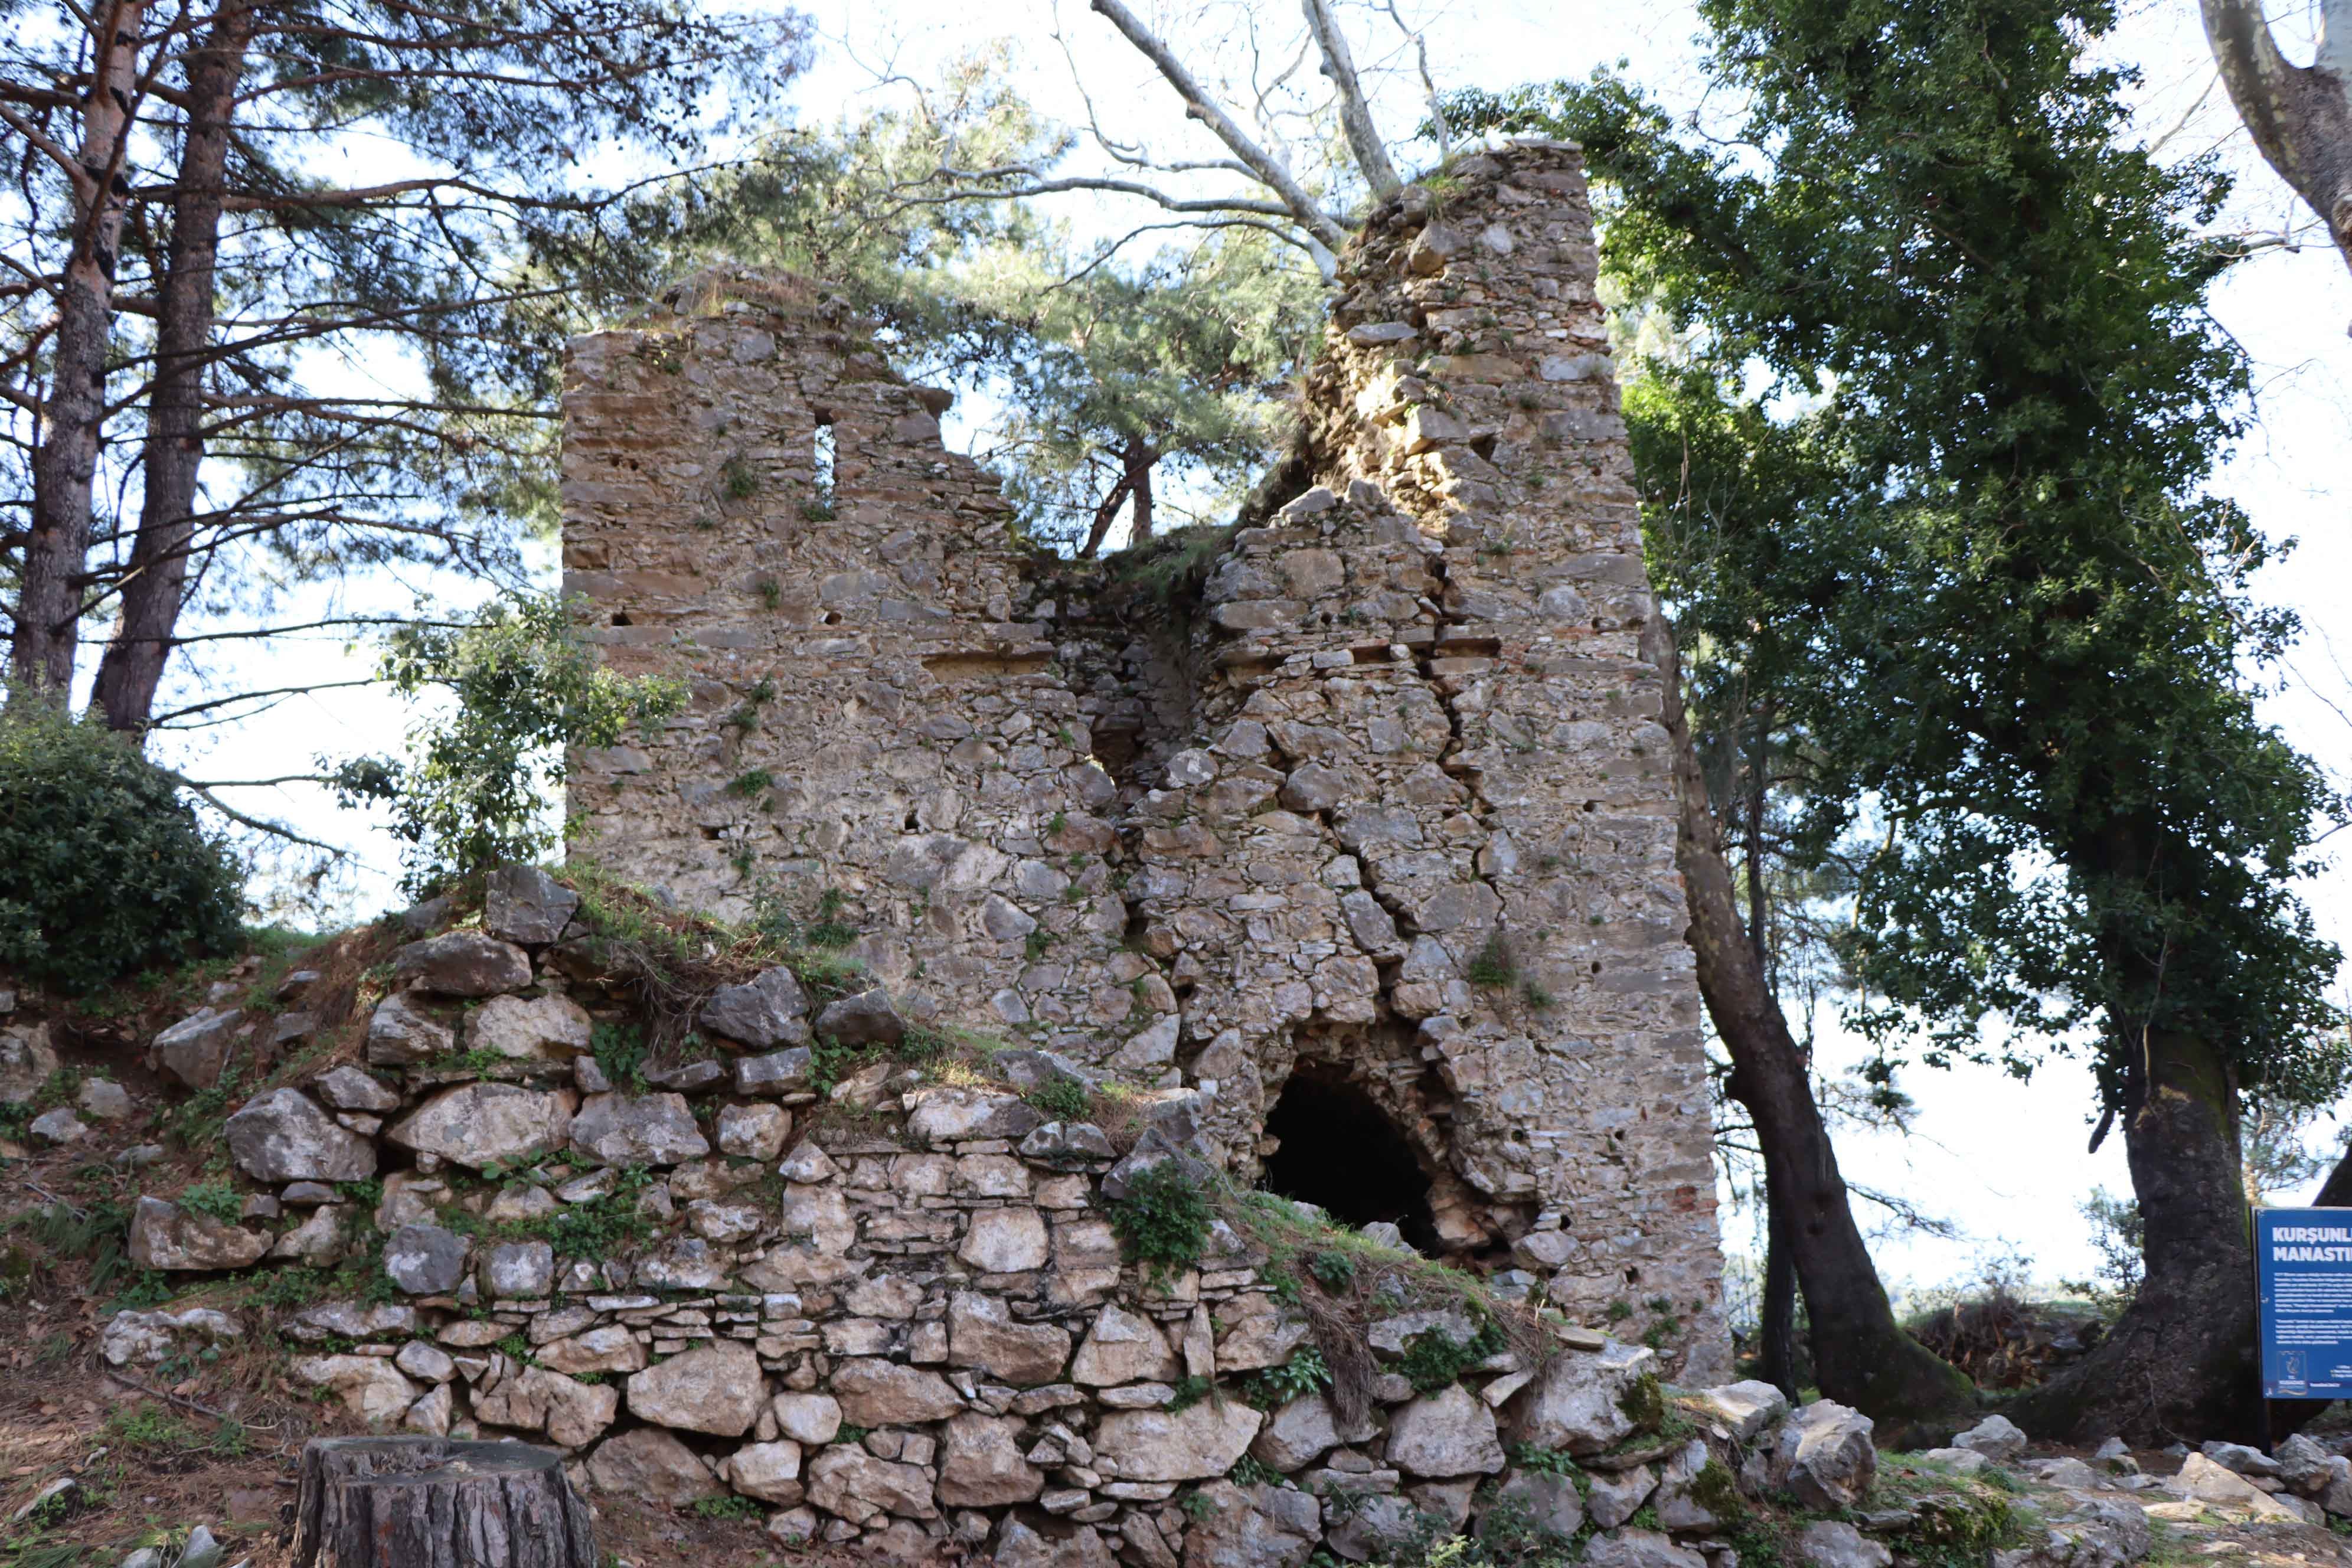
1355 114
2300 116
1199 106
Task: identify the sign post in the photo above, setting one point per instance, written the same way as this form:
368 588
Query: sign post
2303 1258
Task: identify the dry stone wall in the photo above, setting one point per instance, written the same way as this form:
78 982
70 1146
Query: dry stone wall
892 1311
1374 794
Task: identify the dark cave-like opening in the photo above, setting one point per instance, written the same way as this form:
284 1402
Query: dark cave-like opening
1340 1151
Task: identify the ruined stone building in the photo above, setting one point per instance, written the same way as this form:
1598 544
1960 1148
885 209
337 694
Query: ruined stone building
1355 824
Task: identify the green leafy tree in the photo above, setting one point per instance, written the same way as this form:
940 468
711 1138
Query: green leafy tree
2014 620
476 787
1121 385
103 869
195 272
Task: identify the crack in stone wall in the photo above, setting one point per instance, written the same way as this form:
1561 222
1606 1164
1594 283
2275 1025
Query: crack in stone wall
1188 840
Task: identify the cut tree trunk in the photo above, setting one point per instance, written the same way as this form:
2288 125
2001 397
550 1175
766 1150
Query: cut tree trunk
1862 1357
2179 1364
433 1502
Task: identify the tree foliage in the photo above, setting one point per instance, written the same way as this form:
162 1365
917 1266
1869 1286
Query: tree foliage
1112 384
474 789
245 359
103 869
1978 577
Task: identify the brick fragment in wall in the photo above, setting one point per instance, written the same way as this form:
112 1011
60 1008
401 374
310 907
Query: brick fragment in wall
1372 752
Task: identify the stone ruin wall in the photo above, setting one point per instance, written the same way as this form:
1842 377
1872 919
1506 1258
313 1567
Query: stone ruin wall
1402 737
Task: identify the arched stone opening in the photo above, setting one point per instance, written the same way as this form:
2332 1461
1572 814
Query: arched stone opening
1338 1149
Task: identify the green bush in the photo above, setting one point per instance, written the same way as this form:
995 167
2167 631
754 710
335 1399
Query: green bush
1163 1220
477 785
103 869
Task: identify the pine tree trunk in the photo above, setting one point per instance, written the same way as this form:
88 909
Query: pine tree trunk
1862 1357
2179 1364
133 664
433 1502
51 578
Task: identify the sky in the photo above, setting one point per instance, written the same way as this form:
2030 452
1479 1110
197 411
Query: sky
2005 1164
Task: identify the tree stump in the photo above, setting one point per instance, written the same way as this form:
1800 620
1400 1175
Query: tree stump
431 1502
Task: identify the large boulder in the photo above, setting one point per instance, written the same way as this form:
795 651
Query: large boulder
572 1414
1298 1433
318 1240
980 1464
1577 1403
529 1028
371 1387
524 904
353 1088
57 1125
519 1271
462 963
165 1235
765 1012
479 1124
283 1136
754 1131
401 1032
426 1259
863 1489
649 1463
1615 1496
864 1018
194 1050
1995 1437
769 1471
150 1337
1378 1526
352 1320
27 1063
952 1113
1006 1241
637 1129
1189 1445
1639 1549
1125 1347
1448 1433
982 1333
1256 1332
1742 1409
811 1418
790 1071
1679 1503
1547 1504
884 1394
1833 1544
606 1348
716 1388
1252 1527
1823 1453
1019 1544
2217 1485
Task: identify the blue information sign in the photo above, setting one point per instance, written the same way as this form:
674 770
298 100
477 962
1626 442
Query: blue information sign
2304 1257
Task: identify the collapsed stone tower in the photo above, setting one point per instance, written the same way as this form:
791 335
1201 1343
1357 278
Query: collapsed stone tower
1353 824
